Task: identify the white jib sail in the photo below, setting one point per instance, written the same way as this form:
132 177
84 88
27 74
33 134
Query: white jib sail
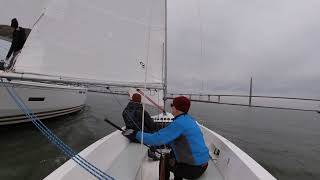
103 40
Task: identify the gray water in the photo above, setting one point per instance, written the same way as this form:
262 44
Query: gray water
286 143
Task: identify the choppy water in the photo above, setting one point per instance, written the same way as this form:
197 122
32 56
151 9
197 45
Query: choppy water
286 143
4 48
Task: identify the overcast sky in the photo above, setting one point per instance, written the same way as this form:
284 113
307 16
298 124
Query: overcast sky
277 42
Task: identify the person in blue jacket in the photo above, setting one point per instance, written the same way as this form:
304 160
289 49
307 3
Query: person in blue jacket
189 156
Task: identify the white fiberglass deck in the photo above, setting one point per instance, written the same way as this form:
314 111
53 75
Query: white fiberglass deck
150 171
124 161
129 161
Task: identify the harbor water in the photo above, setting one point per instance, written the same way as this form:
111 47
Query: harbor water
284 142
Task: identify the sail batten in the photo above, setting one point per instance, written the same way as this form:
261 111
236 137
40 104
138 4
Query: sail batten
103 40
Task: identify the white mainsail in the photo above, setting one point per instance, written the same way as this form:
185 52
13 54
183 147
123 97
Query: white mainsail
26 11
101 40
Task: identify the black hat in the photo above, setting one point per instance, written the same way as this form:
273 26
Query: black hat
14 23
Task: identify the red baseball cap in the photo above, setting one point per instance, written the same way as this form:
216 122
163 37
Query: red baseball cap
136 97
181 103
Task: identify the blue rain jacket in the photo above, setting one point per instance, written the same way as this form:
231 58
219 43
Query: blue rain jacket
185 138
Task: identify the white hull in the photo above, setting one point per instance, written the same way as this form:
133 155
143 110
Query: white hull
123 160
45 100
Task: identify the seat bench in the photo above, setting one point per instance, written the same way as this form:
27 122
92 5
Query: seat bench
212 173
127 164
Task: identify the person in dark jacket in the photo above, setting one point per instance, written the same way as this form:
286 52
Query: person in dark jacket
18 40
132 116
189 156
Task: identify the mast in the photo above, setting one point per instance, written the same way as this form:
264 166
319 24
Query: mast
165 55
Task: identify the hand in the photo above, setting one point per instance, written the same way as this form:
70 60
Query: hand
130 134
172 162
153 148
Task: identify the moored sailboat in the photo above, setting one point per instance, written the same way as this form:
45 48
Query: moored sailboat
45 99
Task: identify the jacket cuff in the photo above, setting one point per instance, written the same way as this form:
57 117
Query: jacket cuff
138 136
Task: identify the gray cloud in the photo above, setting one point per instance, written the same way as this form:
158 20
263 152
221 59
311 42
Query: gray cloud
276 42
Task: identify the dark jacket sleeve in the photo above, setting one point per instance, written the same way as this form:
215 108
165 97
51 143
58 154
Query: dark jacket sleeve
18 40
11 49
148 121
126 118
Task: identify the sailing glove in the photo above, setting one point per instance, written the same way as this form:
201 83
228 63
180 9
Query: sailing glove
130 134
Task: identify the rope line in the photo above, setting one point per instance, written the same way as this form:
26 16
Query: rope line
54 139
49 134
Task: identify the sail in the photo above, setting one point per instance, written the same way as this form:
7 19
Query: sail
101 40
26 11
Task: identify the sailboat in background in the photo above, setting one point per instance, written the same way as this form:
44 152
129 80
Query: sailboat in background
45 99
115 43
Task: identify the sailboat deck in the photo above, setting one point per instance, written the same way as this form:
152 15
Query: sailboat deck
151 171
123 160
128 166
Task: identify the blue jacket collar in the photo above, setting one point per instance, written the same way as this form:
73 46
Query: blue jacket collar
179 116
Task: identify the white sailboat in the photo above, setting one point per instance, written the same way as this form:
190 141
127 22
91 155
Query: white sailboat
46 100
117 43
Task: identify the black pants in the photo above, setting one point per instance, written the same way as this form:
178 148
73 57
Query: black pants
179 170
13 60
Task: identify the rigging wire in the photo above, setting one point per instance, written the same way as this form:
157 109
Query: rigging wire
53 138
201 32
147 63
146 73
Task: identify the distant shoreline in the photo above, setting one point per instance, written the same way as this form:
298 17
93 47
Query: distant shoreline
6 32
